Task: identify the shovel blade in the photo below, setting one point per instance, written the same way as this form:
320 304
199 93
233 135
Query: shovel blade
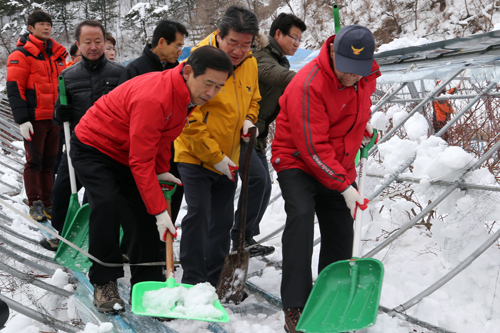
230 286
77 232
344 298
142 287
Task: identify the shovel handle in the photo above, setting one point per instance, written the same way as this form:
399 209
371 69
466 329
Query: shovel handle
169 247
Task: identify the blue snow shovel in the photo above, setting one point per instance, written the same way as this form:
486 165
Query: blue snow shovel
346 294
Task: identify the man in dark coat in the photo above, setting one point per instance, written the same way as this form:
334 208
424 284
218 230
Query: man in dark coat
85 82
161 54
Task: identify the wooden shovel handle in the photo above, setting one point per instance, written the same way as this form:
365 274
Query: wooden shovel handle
169 247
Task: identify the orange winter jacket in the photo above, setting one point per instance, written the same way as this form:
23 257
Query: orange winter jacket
443 109
32 71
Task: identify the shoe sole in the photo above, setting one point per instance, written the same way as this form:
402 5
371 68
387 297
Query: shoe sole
110 311
261 255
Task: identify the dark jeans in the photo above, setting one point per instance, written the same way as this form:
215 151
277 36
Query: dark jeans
259 193
115 200
304 196
207 224
41 155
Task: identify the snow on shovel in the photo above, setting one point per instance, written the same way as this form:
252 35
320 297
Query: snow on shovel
234 272
176 300
346 294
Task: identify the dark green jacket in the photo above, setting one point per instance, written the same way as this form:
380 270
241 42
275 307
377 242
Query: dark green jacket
274 76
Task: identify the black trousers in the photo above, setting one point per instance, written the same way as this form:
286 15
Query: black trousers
61 194
305 196
115 200
259 193
207 224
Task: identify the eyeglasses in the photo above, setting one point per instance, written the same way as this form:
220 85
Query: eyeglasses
237 46
179 47
295 40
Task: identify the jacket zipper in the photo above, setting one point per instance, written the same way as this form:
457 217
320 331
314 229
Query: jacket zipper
239 115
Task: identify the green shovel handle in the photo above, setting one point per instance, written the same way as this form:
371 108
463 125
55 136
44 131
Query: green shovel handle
364 150
336 18
62 91
168 194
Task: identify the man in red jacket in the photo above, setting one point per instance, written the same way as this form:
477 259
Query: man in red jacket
324 115
32 71
121 148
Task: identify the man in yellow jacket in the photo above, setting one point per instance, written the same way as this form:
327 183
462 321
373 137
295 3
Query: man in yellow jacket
208 151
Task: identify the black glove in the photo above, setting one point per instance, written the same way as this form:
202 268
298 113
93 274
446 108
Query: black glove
63 113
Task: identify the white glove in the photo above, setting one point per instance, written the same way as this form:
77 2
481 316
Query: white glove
353 199
164 222
227 167
245 136
367 137
168 177
26 130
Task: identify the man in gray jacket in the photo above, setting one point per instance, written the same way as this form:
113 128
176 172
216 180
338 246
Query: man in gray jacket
274 75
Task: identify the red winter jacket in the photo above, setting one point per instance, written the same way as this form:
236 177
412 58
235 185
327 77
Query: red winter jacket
321 124
136 123
32 71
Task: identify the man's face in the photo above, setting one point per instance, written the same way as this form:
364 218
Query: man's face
41 30
204 87
347 79
91 43
289 43
77 57
109 50
236 45
170 52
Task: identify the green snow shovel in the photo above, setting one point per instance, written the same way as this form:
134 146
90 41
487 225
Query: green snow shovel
346 294
140 288
76 224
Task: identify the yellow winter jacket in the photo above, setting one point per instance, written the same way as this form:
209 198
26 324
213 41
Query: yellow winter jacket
214 129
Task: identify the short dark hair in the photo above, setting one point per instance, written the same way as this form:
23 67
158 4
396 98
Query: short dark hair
110 38
284 23
239 19
39 16
168 30
92 23
209 57
73 49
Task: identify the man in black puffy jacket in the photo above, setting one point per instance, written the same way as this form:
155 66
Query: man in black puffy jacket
86 81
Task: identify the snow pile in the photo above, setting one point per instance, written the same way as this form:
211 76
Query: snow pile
195 302
399 43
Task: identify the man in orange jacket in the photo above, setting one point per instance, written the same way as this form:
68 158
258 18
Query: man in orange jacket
443 110
32 72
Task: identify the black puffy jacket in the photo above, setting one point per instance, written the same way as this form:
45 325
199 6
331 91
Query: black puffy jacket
146 63
85 83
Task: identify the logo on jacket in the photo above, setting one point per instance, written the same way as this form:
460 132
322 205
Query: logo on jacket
249 89
61 64
14 61
356 51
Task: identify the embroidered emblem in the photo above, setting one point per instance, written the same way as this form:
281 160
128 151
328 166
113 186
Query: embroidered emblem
14 61
60 64
356 51
249 89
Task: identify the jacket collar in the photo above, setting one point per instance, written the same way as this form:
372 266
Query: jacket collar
35 46
275 47
94 65
155 59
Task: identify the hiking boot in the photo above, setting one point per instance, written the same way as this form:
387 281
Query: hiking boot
50 244
48 212
36 212
292 316
257 250
107 298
